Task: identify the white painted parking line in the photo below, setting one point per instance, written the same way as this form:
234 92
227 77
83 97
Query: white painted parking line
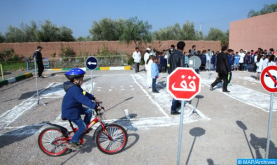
247 96
150 98
251 79
130 124
163 98
12 114
54 90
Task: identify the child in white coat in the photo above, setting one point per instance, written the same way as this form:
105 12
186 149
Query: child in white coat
259 65
149 77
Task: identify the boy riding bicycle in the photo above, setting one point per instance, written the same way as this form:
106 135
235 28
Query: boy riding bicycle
73 100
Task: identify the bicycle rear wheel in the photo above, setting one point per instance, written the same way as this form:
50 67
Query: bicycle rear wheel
52 142
117 142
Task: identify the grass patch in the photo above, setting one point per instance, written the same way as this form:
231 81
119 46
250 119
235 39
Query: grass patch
13 66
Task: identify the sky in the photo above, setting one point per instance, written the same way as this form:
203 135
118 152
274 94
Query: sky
80 15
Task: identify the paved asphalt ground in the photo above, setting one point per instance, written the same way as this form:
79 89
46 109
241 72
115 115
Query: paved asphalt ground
229 125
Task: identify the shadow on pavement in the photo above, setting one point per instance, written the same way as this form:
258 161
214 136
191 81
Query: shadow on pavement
196 132
210 162
90 144
244 128
254 77
119 103
161 85
127 123
260 144
19 134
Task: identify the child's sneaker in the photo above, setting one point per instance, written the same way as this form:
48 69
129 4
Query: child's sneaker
73 146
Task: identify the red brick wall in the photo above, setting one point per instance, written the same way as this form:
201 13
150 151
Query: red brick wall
93 47
254 32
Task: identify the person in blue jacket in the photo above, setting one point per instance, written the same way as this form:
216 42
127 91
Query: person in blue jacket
72 104
231 62
236 61
246 61
203 60
213 60
154 74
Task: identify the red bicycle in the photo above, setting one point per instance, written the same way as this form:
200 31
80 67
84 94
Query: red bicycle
109 138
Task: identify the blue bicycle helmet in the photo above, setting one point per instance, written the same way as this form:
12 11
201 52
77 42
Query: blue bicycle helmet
75 73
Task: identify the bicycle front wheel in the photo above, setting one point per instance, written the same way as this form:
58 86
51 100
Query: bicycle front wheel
51 141
114 142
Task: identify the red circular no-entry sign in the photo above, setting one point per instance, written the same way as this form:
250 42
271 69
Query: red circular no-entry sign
183 83
268 79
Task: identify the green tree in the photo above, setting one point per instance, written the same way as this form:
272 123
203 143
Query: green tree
188 31
48 32
2 38
217 35
137 31
169 33
266 9
225 39
66 34
88 38
30 31
15 34
199 35
107 29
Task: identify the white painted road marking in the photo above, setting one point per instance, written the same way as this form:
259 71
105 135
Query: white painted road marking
54 90
150 98
249 79
12 114
247 96
131 124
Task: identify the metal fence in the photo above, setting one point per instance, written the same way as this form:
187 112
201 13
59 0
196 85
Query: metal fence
74 62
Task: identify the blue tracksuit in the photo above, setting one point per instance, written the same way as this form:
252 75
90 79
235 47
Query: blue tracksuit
231 62
237 57
73 100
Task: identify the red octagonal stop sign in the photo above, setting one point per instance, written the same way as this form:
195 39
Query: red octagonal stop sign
183 83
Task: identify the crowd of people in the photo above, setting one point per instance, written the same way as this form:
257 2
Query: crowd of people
252 61
223 62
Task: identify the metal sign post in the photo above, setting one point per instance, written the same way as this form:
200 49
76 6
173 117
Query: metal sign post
180 132
183 84
91 63
38 98
194 62
269 125
91 82
268 81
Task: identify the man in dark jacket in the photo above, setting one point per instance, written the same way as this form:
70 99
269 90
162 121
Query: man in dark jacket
223 69
203 60
39 62
176 60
